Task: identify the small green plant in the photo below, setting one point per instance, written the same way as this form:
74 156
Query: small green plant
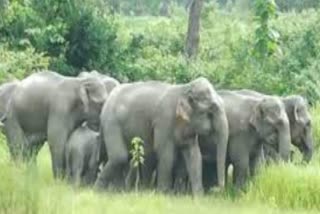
137 158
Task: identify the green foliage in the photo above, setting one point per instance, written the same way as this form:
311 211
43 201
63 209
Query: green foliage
137 159
91 41
235 52
137 152
265 37
20 64
75 36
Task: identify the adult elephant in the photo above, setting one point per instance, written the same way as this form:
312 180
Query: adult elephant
168 118
48 106
300 121
109 82
253 123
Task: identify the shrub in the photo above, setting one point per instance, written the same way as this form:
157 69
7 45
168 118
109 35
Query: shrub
20 64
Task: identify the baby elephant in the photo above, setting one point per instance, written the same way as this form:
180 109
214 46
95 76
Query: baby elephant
83 156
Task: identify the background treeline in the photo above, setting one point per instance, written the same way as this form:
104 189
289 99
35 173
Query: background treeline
73 35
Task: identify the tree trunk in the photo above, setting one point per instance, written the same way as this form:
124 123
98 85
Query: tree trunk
193 34
164 8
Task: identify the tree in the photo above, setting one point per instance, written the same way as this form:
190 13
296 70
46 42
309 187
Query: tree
266 36
193 33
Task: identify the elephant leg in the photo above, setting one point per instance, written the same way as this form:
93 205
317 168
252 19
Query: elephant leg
117 157
255 161
35 143
147 170
193 160
240 172
59 129
16 138
165 165
209 175
69 172
130 178
181 180
77 177
76 166
91 176
226 178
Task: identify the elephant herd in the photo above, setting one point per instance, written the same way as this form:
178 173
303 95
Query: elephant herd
191 132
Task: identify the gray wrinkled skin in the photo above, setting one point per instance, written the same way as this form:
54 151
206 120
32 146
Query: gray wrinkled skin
48 106
168 118
109 82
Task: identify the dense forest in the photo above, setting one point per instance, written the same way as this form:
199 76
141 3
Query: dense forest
271 46
243 44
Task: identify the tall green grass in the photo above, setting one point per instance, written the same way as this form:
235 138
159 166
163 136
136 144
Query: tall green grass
31 189
287 186
23 189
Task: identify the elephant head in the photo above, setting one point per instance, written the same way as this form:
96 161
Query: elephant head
300 125
6 91
109 82
270 121
203 109
92 94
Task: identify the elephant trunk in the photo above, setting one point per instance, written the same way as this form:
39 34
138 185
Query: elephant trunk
307 148
221 129
285 143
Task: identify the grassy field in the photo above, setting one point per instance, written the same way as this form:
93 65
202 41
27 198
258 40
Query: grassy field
279 189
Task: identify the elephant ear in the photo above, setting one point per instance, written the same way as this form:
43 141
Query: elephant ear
294 104
183 110
84 99
256 116
92 91
296 113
